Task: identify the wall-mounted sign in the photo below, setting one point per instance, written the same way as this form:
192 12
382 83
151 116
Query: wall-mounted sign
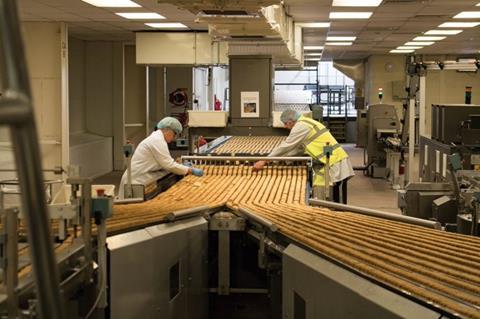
249 102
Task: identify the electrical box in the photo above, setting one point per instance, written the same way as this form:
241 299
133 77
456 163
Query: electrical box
398 90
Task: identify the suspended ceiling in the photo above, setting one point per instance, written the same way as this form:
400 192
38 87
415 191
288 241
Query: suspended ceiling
392 24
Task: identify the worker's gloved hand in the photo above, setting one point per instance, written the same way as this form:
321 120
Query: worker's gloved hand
187 163
197 172
259 165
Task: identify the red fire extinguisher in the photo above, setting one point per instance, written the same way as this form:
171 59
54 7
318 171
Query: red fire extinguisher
401 168
218 104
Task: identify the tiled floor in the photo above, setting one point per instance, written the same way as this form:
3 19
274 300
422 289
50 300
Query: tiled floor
369 192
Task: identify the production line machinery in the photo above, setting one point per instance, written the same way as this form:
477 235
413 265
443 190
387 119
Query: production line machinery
242 244
241 145
449 191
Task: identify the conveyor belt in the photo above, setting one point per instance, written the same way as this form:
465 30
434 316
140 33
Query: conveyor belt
437 267
254 145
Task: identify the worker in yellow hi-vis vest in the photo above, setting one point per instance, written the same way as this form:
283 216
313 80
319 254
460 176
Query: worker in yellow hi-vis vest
308 136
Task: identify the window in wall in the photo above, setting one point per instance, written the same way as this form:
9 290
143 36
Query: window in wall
327 86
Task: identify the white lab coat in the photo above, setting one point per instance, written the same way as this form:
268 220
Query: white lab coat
150 160
293 146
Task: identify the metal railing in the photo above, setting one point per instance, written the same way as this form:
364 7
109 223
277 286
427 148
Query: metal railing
16 111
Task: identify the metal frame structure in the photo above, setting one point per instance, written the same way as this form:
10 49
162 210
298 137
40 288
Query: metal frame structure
16 111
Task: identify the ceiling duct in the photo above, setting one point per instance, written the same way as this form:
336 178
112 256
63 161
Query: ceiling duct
354 69
250 27
196 6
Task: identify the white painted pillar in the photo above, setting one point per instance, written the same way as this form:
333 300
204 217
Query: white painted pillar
422 107
65 135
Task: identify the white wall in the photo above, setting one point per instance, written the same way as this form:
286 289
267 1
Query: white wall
96 93
42 43
76 84
381 72
135 96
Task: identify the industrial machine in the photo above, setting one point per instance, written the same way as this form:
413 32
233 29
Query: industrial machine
448 170
383 131
232 244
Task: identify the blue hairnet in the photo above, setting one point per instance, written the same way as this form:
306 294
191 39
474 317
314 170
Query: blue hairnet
170 123
289 115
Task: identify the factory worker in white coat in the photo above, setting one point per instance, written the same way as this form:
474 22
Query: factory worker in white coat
152 157
308 136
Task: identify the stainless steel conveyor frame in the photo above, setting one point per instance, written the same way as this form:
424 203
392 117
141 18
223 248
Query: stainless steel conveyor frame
16 111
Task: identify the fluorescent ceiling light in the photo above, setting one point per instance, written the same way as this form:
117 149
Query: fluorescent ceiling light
419 43
443 32
459 25
408 48
356 3
428 38
112 3
312 59
167 25
312 54
350 15
339 43
140 15
401 51
341 38
468 15
314 68
313 47
313 24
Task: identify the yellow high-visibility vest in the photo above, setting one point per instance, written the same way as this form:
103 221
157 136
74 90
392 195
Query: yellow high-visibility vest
318 137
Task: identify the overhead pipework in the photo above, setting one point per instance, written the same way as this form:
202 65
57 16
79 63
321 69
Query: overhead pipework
251 28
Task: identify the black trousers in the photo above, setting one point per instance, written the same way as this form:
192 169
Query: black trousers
340 191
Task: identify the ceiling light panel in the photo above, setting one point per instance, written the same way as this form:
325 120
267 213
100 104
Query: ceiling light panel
409 48
113 3
140 15
350 15
341 38
419 43
459 25
468 15
313 24
422 38
312 59
312 54
313 47
167 25
401 51
356 3
339 43
443 32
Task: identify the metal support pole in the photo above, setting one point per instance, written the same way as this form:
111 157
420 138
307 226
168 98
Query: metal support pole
129 190
23 131
102 263
327 178
223 262
10 262
86 221
411 139
376 213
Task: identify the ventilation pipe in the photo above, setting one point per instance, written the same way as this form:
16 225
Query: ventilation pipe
354 69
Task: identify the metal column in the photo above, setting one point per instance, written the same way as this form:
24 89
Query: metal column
411 138
16 111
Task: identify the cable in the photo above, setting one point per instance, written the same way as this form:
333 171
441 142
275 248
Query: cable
95 304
